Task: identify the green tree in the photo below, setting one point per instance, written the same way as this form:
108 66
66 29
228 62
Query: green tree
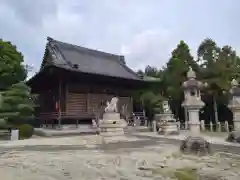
18 104
218 67
150 97
175 74
12 69
151 71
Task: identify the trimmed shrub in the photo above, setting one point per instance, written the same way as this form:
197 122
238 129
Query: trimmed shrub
26 131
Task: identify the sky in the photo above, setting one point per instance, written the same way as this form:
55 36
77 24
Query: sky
145 31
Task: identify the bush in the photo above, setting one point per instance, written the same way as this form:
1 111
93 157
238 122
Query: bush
26 131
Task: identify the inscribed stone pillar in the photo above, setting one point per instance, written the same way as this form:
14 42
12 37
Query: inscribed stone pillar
234 104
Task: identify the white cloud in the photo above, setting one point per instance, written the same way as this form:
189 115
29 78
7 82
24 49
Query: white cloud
146 32
150 47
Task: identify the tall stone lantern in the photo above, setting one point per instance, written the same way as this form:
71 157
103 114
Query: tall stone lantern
234 104
192 100
195 143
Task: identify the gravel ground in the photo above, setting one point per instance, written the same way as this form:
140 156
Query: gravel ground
147 163
70 140
133 157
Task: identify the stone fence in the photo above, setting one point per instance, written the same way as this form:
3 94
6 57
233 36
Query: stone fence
219 127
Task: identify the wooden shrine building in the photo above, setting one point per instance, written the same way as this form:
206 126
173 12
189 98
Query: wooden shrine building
74 83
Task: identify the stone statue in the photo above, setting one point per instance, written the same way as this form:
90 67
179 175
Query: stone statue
111 123
112 105
165 107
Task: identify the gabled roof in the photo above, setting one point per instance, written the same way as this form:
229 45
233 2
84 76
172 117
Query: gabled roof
77 58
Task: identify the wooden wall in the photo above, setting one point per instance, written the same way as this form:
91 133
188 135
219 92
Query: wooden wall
80 99
87 99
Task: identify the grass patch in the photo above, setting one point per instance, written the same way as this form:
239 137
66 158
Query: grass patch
186 174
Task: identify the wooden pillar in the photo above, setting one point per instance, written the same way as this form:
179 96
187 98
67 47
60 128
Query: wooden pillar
131 104
60 103
88 102
66 98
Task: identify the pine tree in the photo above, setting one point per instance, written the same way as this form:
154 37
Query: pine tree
18 104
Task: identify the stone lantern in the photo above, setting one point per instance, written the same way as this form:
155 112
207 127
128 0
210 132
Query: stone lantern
234 104
192 100
194 143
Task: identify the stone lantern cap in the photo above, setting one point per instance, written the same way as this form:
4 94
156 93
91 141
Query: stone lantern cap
235 90
192 83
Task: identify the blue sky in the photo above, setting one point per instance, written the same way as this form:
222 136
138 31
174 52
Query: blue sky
145 31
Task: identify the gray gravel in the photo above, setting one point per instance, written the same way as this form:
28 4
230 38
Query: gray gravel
146 141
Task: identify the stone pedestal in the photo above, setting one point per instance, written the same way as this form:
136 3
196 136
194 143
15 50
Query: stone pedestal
169 129
112 124
236 118
166 124
195 145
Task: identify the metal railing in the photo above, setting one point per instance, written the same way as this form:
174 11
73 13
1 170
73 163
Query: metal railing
64 115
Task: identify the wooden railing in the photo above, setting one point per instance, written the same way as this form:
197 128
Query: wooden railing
65 115
140 116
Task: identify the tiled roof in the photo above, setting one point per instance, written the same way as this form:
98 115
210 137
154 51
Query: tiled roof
77 58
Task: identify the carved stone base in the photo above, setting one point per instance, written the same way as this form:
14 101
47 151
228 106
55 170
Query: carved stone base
170 129
234 137
111 126
195 145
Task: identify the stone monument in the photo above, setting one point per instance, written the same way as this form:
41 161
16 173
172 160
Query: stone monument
166 122
192 101
194 143
112 124
234 105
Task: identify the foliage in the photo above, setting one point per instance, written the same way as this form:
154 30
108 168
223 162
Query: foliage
214 64
218 66
18 104
11 68
177 67
186 174
26 131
